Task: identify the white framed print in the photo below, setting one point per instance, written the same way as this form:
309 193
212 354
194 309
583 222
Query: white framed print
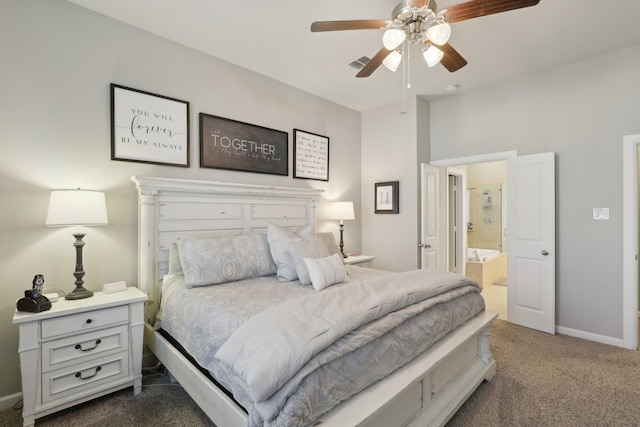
148 128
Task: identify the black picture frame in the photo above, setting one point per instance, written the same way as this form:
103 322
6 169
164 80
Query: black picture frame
149 128
387 197
310 155
233 145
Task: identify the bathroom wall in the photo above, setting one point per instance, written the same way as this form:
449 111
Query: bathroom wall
485 183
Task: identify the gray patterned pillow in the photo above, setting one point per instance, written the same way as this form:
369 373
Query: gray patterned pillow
211 261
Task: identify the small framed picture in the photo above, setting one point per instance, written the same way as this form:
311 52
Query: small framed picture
387 197
149 128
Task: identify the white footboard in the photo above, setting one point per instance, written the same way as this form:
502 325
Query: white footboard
426 392
429 390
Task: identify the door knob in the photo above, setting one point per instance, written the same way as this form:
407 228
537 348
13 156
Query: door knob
424 245
545 252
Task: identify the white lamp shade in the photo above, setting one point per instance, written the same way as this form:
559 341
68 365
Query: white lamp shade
342 210
439 34
393 38
76 207
432 55
392 61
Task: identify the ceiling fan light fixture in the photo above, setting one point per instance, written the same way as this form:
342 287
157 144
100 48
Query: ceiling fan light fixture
393 38
432 55
392 61
439 33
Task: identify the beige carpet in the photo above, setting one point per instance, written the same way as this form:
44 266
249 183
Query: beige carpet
542 380
554 380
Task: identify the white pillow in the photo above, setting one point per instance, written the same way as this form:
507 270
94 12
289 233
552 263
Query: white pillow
313 248
330 242
175 267
326 271
279 242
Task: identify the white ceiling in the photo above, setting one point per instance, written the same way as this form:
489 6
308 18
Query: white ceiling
273 38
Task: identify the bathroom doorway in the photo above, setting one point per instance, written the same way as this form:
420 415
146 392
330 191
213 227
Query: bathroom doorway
487 229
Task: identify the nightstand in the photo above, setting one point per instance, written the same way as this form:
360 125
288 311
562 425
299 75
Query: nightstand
360 260
79 350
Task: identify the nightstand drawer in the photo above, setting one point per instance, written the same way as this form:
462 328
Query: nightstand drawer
84 321
86 376
71 350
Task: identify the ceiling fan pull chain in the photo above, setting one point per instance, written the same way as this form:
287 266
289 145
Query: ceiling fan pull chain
404 74
408 67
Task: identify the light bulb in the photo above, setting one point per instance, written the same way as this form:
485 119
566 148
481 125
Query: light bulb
432 55
439 34
393 38
392 61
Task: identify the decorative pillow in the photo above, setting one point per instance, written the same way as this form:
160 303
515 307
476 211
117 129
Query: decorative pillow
174 260
313 248
279 240
211 261
327 271
330 242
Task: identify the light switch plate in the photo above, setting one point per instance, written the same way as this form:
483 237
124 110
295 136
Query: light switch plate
600 213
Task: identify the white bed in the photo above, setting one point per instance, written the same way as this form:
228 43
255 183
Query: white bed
427 391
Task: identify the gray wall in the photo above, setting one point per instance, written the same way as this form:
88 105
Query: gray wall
57 62
393 145
581 112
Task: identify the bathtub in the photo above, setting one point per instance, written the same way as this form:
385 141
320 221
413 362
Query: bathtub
490 270
481 255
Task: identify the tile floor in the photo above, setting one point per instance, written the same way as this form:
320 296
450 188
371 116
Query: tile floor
495 298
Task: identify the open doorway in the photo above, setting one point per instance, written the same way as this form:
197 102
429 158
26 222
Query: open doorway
531 233
486 227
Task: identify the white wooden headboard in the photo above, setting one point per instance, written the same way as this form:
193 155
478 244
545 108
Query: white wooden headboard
171 208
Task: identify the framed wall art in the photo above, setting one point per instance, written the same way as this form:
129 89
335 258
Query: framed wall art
233 145
387 201
148 128
310 156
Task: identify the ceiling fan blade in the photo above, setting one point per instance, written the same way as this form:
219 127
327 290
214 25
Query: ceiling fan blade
375 62
477 8
360 24
451 60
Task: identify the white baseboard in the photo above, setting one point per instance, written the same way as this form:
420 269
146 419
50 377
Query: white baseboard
9 401
618 342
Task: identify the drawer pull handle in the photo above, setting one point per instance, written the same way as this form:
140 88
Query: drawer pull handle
79 346
79 374
89 320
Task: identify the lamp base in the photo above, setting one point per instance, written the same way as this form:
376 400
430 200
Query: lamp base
79 293
342 241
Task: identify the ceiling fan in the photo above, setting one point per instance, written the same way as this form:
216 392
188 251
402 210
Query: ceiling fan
420 22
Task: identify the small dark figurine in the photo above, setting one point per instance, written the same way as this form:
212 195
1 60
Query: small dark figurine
33 300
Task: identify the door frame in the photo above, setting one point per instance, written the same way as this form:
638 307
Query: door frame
456 217
508 156
630 241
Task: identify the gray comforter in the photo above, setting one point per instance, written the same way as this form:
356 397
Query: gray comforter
336 351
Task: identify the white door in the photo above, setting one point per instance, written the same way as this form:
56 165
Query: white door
531 292
429 205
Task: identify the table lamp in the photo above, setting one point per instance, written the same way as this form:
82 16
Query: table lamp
342 211
69 208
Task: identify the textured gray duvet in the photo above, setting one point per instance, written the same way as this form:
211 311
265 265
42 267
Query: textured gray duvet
391 318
